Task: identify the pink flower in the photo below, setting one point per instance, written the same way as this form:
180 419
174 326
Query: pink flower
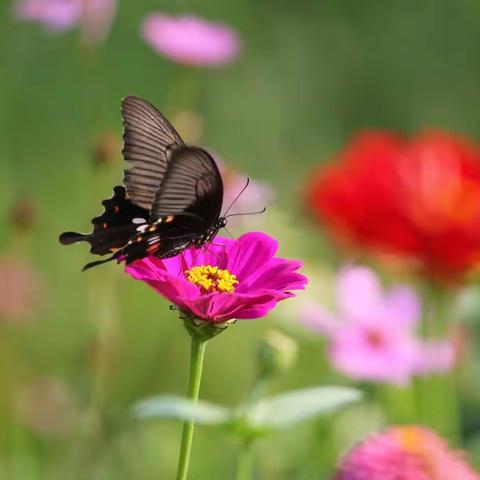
94 16
189 40
230 279
435 357
405 453
20 289
373 338
55 15
97 19
48 407
257 196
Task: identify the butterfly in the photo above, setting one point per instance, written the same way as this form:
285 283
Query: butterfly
171 198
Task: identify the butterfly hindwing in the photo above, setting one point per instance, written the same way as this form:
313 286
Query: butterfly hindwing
114 228
150 239
192 187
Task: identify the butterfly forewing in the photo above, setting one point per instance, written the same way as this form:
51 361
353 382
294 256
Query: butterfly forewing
192 187
148 139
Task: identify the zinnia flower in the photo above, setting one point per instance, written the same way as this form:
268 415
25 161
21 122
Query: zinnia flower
190 40
229 279
94 16
417 199
405 453
373 337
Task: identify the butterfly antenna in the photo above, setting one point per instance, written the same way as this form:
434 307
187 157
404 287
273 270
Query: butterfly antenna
237 197
263 210
229 234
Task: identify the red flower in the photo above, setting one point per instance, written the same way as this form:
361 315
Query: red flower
418 199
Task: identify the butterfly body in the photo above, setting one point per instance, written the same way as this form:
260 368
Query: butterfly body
171 199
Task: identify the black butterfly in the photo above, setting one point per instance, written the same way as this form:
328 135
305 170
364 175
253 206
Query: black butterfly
172 196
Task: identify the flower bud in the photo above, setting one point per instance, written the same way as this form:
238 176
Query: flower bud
23 214
277 353
105 149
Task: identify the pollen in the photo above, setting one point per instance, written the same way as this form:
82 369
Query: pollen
212 279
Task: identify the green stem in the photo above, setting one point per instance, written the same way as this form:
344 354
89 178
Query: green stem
438 394
245 460
197 354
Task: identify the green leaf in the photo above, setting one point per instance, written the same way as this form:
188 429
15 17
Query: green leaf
298 405
179 408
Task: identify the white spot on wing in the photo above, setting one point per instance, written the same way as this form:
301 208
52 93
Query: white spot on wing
154 239
138 220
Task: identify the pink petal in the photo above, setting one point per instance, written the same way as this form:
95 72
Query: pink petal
249 254
219 307
359 294
392 361
274 274
55 15
435 357
402 307
190 40
317 318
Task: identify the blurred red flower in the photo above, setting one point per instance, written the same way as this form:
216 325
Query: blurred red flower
417 199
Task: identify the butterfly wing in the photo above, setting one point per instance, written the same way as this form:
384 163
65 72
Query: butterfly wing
191 191
148 142
173 193
114 228
187 205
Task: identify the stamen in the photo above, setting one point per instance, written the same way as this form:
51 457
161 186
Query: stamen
212 279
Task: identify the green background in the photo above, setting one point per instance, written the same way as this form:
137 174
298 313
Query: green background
311 74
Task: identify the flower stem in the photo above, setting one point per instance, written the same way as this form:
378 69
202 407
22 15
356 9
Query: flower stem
197 353
441 390
245 460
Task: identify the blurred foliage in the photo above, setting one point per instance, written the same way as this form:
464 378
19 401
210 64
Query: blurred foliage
312 73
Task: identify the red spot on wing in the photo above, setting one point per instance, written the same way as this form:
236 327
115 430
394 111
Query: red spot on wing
153 248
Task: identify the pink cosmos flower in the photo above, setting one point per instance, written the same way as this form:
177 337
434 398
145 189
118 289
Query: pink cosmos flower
190 40
94 16
405 453
257 195
230 279
55 15
48 407
373 337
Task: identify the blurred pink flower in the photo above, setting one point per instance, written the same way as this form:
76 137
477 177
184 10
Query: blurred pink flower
190 40
435 357
48 407
20 289
405 453
373 338
231 279
97 19
94 16
55 15
257 195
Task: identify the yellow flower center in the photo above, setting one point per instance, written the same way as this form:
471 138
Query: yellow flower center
413 441
212 279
